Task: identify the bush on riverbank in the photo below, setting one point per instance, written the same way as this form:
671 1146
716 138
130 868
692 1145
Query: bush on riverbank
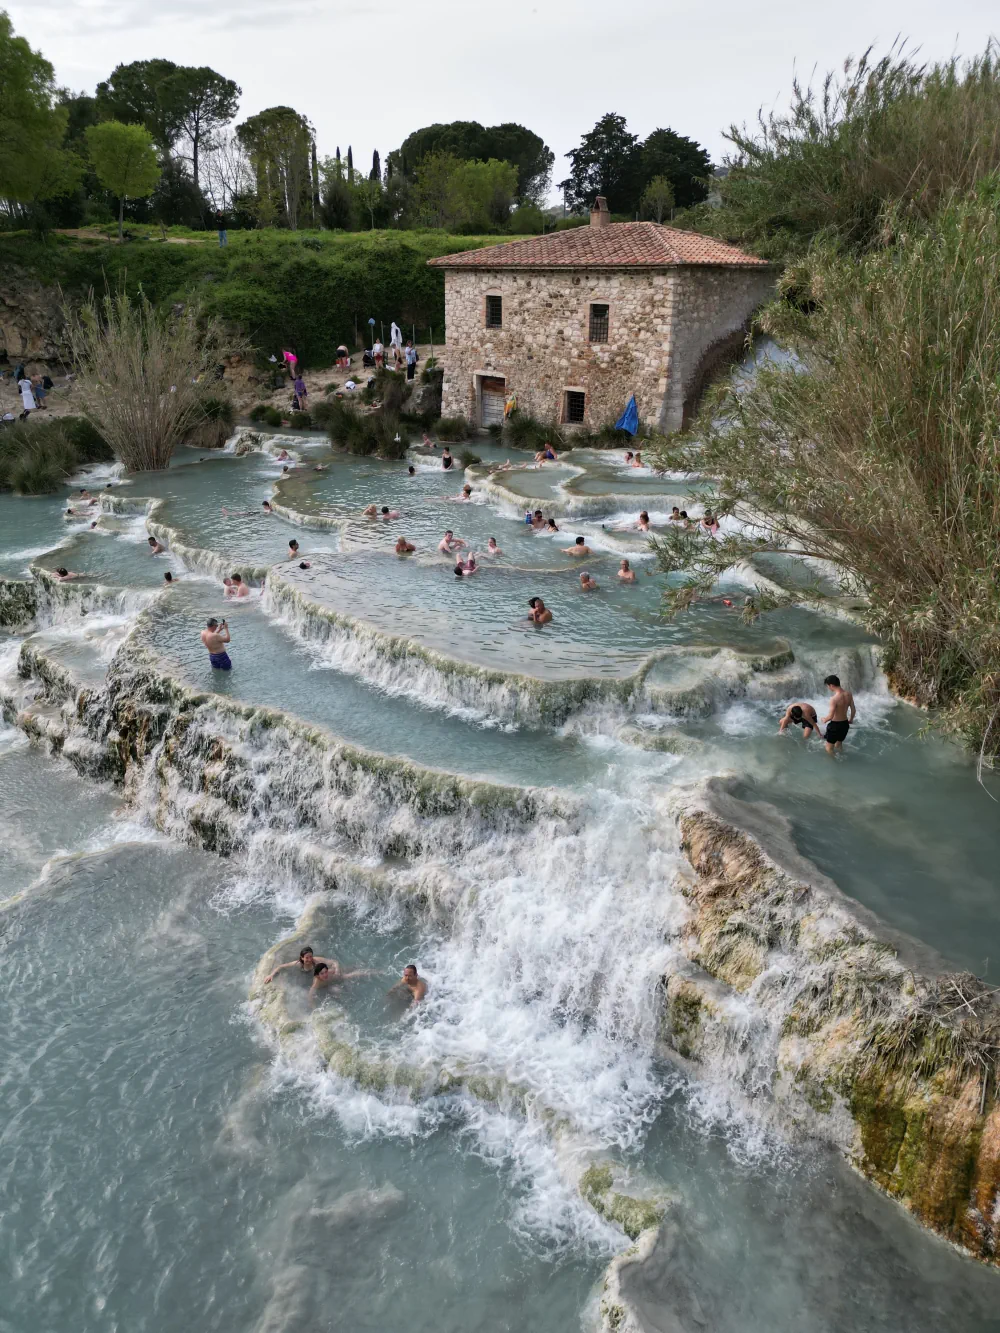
365 433
38 457
884 457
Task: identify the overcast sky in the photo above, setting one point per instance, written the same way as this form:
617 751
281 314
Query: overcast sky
368 74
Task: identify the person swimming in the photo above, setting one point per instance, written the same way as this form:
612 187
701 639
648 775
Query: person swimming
62 574
539 613
801 715
155 547
464 494
579 548
643 523
324 976
403 547
168 577
307 962
465 567
492 548
587 583
411 471
386 513
626 573
370 511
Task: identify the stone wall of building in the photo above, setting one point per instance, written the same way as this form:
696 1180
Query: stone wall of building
662 326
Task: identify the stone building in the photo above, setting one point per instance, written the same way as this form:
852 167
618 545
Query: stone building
574 322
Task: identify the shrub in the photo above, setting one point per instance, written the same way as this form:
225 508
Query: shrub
272 417
259 412
367 433
521 431
467 458
321 413
300 421
212 432
37 457
452 428
331 387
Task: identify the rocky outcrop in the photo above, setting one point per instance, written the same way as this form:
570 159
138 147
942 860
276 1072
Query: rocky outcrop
896 1067
32 323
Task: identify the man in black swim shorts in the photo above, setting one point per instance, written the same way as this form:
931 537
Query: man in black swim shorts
800 715
842 713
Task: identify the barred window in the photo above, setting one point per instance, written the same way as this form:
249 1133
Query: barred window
600 320
576 406
494 312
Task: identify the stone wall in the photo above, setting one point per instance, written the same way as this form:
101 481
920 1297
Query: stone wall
664 325
32 323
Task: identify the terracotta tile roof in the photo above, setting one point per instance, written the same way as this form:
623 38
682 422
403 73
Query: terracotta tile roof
620 245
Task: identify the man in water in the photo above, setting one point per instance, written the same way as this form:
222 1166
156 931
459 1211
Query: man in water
293 550
842 713
155 548
62 574
168 577
625 572
237 588
587 583
537 520
410 983
579 547
411 471
387 513
306 963
539 613
449 542
800 715
215 636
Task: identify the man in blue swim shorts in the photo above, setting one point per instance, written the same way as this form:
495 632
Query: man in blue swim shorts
215 636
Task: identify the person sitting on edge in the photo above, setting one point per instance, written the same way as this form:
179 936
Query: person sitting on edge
168 577
800 715
307 962
546 454
386 513
537 521
539 613
675 516
215 637
293 550
579 547
492 548
446 459
643 523
842 713
403 547
449 542
155 547
428 443
237 588
587 583
410 982
626 573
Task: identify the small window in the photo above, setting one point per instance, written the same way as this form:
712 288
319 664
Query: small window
599 323
494 312
576 406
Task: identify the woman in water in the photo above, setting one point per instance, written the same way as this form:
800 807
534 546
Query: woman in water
709 523
626 573
492 548
307 962
643 524
403 547
637 461
551 526
446 459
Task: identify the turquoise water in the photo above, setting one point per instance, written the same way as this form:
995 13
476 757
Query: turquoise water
167 1164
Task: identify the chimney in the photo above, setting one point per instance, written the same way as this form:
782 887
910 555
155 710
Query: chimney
599 215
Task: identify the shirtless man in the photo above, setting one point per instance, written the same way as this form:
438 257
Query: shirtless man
537 520
403 547
415 985
842 713
626 573
215 636
539 613
62 574
449 542
579 547
237 588
587 583
466 567
293 550
800 715
155 547
306 963
387 513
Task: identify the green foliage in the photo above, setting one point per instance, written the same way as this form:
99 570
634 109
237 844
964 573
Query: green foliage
467 458
272 417
300 421
322 413
521 431
467 140
883 132
124 161
883 458
367 433
528 220
279 144
37 457
464 195
452 428
258 412
33 163
657 199
612 162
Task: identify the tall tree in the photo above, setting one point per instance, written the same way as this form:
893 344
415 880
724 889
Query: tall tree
605 163
350 166
470 141
657 199
279 142
34 165
125 161
684 163
196 103
132 95
376 172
